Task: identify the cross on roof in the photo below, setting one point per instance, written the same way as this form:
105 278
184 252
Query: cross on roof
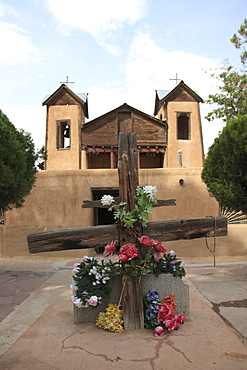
66 82
176 79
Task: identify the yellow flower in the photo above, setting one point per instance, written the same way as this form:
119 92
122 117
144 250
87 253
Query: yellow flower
110 320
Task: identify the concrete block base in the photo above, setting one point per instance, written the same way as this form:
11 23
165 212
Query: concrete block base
165 285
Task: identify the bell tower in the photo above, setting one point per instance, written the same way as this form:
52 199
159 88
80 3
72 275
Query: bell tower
180 109
66 112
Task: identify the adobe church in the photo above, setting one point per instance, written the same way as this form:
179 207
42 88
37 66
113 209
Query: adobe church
82 165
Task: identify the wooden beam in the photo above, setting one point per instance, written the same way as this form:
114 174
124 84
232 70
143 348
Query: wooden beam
98 236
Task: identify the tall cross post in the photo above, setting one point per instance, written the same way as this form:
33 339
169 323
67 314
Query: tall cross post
132 300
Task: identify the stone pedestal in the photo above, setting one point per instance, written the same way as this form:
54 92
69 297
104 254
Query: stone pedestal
165 285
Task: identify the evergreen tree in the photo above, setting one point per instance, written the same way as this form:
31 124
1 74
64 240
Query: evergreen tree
225 168
17 164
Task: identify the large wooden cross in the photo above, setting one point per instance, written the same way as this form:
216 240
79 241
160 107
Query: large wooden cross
98 236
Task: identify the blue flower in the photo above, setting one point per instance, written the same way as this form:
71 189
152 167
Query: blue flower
154 308
152 296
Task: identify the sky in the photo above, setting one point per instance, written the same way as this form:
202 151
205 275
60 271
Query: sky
117 51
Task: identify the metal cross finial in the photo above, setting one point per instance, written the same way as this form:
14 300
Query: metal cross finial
67 81
176 79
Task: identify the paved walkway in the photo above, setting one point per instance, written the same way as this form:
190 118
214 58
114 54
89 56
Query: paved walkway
38 332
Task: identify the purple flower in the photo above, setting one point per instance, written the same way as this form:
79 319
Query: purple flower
154 308
175 261
152 296
75 268
172 253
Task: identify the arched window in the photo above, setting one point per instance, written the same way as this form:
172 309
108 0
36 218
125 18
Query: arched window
183 126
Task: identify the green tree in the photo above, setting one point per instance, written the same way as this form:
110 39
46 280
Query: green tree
231 99
225 168
17 164
240 40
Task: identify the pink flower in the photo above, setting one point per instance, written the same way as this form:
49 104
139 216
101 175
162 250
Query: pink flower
93 300
163 313
159 331
127 252
144 240
180 318
109 248
182 264
84 258
158 256
75 268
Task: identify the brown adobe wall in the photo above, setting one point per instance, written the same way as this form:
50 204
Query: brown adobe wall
56 202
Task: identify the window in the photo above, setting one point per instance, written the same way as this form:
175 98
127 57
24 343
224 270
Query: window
151 160
99 160
63 135
183 126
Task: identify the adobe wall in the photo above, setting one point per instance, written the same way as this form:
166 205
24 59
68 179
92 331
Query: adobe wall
55 203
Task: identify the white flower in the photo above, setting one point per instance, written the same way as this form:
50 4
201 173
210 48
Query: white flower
150 191
107 200
94 283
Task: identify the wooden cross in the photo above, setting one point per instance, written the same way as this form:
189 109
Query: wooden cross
98 236
66 82
176 79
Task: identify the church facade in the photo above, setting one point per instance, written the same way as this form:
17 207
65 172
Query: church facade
82 161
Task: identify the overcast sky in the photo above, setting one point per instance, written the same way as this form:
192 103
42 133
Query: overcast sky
117 51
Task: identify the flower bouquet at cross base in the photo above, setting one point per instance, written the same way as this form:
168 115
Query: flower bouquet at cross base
146 256
161 315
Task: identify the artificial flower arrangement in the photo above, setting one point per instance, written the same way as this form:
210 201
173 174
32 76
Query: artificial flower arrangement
146 256
161 316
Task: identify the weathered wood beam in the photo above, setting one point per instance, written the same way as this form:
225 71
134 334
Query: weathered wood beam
98 236
98 204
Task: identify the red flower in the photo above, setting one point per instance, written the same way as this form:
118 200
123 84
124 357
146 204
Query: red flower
109 248
159 331
144 240
180 318
163 313
127 252
171 323
158 246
